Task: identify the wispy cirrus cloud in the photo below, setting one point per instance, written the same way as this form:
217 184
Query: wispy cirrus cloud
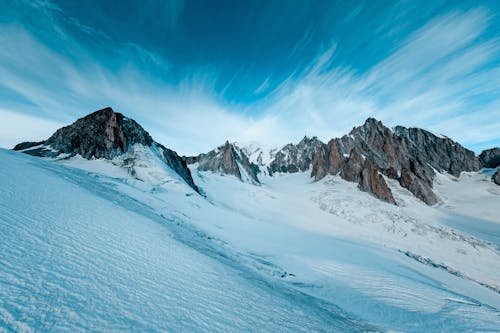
443 76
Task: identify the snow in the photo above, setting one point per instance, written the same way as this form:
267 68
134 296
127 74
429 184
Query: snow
289 255
77 255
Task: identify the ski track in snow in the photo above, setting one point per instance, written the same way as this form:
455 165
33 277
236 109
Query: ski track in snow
285 256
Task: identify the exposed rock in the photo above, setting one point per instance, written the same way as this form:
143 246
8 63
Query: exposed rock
227 159
417 151
441 153
490 158
26 145
351 170
320 163
102 134
373 182
178 164
416 186
335 161
327 160
496 177
295 158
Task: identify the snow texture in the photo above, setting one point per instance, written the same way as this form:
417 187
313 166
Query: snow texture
92 245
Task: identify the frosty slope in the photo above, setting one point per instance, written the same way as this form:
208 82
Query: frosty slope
77 255
89 243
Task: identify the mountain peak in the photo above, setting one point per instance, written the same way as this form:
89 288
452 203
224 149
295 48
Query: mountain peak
101 134
227 159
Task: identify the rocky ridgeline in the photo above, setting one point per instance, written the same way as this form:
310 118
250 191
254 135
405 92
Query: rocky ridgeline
408 155
227 159
103 134
367 155
295 158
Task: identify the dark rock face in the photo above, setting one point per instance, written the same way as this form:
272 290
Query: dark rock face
327 160
351 170
320 163
441 153
490 158
178 164
226 159
417 186
26 145
416 151
373 182
295 158
102 134
496 177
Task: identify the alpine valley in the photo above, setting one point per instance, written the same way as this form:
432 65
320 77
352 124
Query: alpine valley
383 229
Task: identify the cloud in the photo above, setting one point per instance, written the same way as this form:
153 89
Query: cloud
442 76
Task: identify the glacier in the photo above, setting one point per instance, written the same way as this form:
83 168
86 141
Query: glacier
85 245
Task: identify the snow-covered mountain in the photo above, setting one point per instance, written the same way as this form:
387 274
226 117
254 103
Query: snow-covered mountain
108 135
104 232
227 159
371 153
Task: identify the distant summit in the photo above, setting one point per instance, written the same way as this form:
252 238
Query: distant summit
103 134
227 159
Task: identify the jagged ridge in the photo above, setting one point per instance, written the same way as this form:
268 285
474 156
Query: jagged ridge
227 159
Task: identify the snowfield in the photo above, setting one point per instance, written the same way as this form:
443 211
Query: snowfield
87 246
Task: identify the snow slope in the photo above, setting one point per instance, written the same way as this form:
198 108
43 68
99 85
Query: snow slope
76 255
288 255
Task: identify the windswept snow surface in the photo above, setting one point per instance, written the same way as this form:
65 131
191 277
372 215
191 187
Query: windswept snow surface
143 250
75 255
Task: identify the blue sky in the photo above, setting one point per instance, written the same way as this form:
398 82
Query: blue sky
195 73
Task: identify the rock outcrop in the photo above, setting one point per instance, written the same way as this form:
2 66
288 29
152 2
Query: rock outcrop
490 158
409 155
373 182
326 160
227 159
295 158
496 177
351 169
103 134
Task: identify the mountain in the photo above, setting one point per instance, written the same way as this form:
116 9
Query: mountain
227 159
369 155
408 155
105 134
295 158
121 236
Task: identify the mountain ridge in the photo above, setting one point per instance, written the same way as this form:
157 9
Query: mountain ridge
368 155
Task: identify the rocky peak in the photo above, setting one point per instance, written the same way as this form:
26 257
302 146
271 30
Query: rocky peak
227 159
409 155
295 158
490 158
103 134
